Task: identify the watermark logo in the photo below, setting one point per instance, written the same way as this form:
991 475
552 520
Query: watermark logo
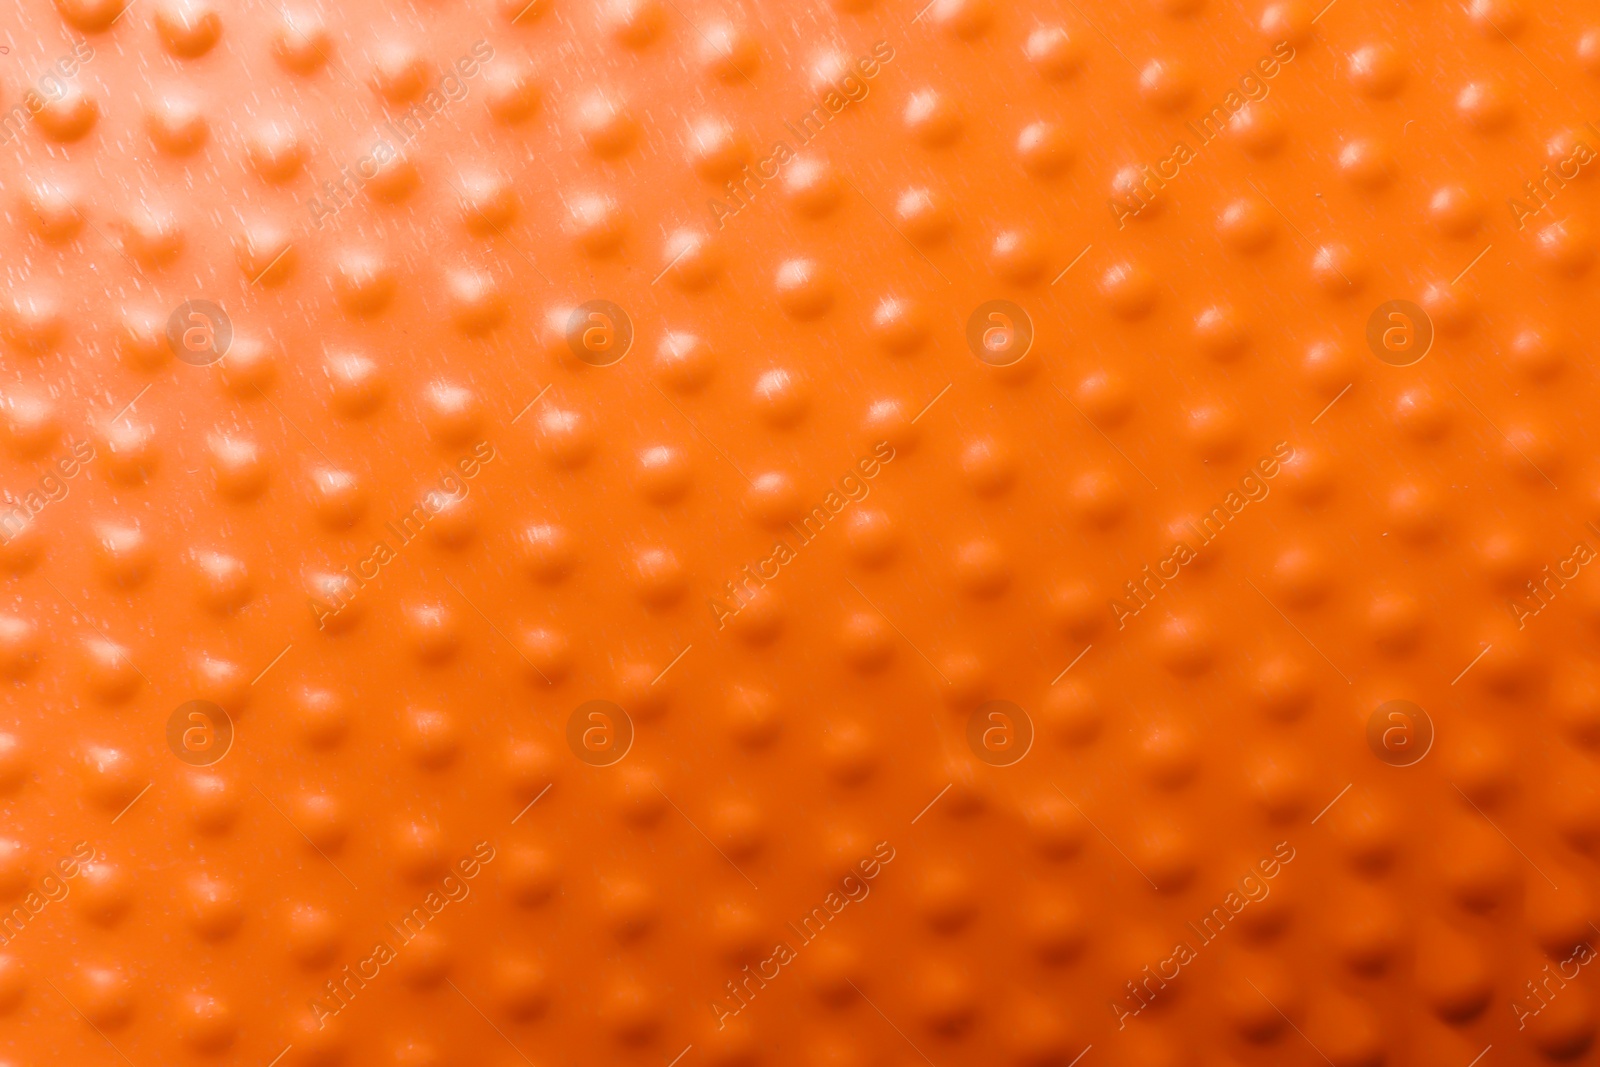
1399 332
599 333
1549 584
338 992
599 733
999 333
1552 982
1000 733
1145 183
1252 888
199 732
398 132
1253 488
852 489
49 889
17 510
50 87
741 992
1545 188
199 332
1400 733
848 88
404 529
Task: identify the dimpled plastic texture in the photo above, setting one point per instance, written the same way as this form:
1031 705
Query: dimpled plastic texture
1041 606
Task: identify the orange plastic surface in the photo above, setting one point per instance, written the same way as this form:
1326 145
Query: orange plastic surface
713 532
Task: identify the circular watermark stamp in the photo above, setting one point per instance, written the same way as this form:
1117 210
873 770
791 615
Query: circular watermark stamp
999 333
1400 733
1399 332
599 333
999 733
199 332
199 733
599 733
